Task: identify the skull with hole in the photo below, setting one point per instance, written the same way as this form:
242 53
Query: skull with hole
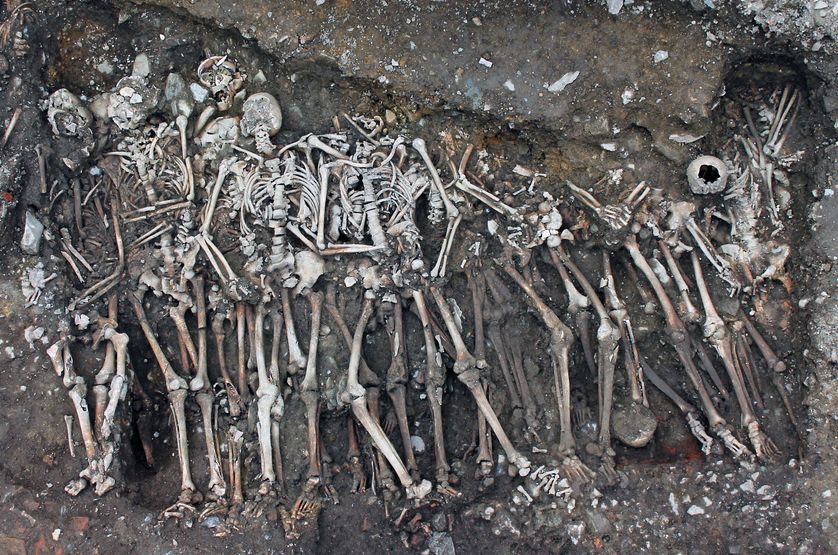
707 175
222 77
262 119
131 102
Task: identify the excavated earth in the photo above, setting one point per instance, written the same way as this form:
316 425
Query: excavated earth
486 72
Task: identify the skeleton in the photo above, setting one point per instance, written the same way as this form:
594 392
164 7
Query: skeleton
311 397
288 215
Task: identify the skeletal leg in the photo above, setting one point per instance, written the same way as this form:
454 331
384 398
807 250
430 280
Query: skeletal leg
517 363
177 388
434 380
620 315
680 340
62 363
773 361
201 380
689 313
235 440
234 402
216 487
467 372
743 354
296 358
396 380
355 394
365 375
484 442
561 340
476 282
385 475
311 397
178 315
583 324
500 350
719 336
251 337
709 369
608 338
266 394
353 458
241 351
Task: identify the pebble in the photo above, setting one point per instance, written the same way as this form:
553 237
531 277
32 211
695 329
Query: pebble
747 486
439 522
199 93
141 66
485 62
575 531
660 56
418 444
695 510
563 81
440 543
33 230
389 117
509 85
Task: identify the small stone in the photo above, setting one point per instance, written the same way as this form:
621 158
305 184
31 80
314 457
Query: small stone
33 230
141 66
747 486
660 56
695 510
439 522
440 543
614 6
509 85
563 81
199 93
389 117
485 62
575 531
418 444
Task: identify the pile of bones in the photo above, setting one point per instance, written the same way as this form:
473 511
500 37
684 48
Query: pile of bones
190 212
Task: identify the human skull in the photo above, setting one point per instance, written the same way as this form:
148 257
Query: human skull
262 119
